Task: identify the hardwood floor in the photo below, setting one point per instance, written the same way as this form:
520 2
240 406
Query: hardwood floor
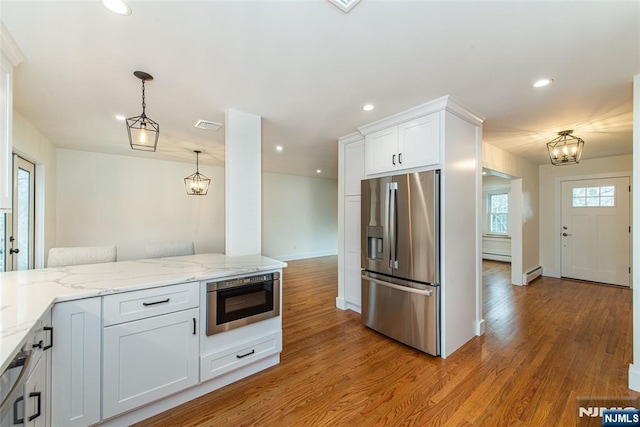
545 345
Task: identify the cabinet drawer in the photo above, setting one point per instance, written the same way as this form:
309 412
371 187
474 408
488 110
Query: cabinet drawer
128 306
232 358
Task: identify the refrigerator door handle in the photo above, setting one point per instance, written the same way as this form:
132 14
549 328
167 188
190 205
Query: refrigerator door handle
425 292
393 225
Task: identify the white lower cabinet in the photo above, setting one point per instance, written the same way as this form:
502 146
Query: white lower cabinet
148 359
352 256
237 356
75 364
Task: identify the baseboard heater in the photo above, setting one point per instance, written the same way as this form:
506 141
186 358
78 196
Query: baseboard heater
530 276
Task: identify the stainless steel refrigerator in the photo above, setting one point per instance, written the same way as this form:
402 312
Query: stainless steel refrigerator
401 258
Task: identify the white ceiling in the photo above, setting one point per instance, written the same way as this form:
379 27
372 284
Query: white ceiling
307 68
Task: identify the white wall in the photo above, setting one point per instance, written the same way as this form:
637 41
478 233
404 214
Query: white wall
33 146
501 161
550 178
299 216
125 201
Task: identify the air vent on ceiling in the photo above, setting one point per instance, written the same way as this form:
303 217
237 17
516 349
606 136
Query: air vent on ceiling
345 5
208 125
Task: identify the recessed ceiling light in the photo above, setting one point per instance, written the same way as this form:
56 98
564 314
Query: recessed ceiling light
543 82
484 173
318 170
368 107
117 6
279 148
120 117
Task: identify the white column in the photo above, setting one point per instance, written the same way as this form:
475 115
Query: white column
634 368
243 183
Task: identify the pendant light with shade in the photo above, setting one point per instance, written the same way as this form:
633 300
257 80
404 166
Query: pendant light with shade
197 184
143 132
565 149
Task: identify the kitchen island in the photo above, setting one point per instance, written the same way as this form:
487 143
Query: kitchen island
27 296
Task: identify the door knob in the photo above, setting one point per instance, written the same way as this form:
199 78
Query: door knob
14 251
566 234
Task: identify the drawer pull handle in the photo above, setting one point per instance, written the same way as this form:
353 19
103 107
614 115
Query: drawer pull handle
50 329
37 395
17 420
245 355
146 304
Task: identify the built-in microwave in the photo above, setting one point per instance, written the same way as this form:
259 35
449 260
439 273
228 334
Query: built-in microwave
237 302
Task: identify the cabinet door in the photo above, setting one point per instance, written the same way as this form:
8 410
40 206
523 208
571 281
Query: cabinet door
75 364
35 395
352 252
148 359
419 142
381 151
6 108
353 167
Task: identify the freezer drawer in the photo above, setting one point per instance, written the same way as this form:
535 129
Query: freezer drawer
405 311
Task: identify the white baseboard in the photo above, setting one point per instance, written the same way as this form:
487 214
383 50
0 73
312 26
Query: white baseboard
634 377
496 257
551 273
201 389
343 304
305 255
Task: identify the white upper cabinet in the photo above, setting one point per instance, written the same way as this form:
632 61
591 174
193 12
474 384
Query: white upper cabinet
412 144
354 167
10 57
419 142
381 150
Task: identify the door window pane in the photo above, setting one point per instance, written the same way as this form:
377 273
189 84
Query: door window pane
593 197
24 218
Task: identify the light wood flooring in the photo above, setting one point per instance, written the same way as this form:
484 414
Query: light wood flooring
545 344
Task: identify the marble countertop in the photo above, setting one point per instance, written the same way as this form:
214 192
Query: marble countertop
26 295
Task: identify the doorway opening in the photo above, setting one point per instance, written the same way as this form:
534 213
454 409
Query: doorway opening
502 221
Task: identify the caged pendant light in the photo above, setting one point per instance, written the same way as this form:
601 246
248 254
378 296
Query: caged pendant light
197 184
143 132
565 149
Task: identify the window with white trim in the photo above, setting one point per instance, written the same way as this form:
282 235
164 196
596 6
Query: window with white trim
499 213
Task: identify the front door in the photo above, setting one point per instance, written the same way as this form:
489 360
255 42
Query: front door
595 230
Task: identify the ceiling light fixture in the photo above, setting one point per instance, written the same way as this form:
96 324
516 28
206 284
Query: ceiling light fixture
143 132
197 184
117 6
120 117
279 148
565 149
368 107
542 83
318 170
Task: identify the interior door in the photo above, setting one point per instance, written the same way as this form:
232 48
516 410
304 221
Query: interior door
596 230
